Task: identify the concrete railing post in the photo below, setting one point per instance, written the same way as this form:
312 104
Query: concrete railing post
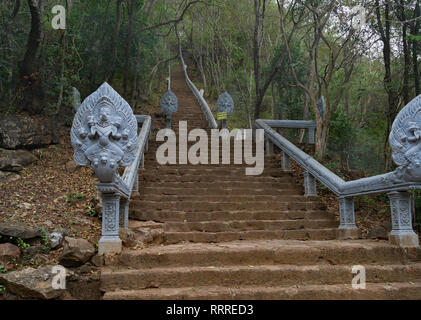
402 233
309 185
286 162
311 135
269 147
347 227
110 241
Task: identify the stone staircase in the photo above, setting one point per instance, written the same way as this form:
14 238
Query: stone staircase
232 236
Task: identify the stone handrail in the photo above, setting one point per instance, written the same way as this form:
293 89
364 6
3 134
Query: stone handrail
310 125
202 102
403 138
104 136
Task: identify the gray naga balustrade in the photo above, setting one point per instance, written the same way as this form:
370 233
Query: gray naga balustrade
202 102
405 142
104 136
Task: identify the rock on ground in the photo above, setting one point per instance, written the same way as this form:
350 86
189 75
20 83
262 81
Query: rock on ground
15 160
56 239
380 232
8 253
128 238
72 166
18 230
19 131
76 252
31 283
147 232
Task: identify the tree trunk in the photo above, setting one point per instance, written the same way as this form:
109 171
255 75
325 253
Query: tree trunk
391 92
259 12
415 32
134 86
406 54
115 40
30 78
128 46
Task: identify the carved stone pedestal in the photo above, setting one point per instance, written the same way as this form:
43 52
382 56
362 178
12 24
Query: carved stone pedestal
109 244
402 233
347 228
110 241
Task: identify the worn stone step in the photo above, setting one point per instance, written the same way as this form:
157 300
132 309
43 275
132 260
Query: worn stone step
215 170
241 276
151 162
208 167
287 203
302 234
389 291
150 155
156 191
138 213
220 198
217 183
227 180
249 225
267 252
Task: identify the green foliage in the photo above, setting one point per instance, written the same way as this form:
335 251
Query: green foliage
81 56
90 210
73 197
22 244
45 240
2 269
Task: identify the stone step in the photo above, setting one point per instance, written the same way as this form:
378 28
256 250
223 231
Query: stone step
389 291
138 213
249 225
220 181
261 275
267 252
148 190
151 160
216 183
218 198
153 168
287 203
207 237
152 148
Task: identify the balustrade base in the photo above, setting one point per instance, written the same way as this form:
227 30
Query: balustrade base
348 233
109 244
405 240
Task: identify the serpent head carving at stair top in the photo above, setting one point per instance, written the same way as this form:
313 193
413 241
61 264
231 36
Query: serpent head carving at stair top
225 103
405 141
169 103
104 133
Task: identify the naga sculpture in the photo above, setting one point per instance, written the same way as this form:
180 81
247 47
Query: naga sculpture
405 142
225 103
169 105
104 133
